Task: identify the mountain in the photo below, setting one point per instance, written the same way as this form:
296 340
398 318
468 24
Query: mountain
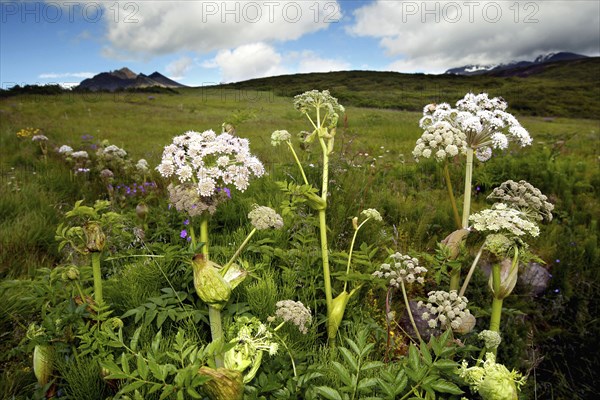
124 78
495 68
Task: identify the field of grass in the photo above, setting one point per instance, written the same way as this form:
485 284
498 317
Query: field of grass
372 167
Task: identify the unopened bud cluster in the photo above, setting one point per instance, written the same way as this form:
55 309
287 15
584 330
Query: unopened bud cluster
447 309
402 268
525 197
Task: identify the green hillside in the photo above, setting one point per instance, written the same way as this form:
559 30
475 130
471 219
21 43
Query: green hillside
568 88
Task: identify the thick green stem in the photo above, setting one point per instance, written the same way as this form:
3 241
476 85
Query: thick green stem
454 279
216 332
214 315
204 235
457 220
467 196
410 316
238 251
325 260
97 273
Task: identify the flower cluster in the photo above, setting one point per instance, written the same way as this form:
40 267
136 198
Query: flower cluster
402 268
440 140
66 150
525 197
185 198
81 154
262 217
491 339
27 132
484 121
493 381
39 138
113 151
294 312
250 338
372 213
277 137
446 308
142 166
210 161
316 100
503 219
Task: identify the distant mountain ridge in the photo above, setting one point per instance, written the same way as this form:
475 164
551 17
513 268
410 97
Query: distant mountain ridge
124 78
473 69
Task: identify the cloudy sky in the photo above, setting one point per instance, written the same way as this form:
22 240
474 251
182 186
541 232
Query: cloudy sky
206 42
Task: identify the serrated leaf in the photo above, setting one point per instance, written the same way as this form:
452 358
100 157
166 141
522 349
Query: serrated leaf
425 353
125 363
444 364
135 339
154 388
349 358
142 367
413 358
328 393
371 365
192 392
132 386
155 369
354 346
161 319
343 373
444 386
366 383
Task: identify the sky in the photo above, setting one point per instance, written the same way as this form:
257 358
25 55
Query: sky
200 43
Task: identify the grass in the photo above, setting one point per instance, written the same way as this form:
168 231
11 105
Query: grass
372 167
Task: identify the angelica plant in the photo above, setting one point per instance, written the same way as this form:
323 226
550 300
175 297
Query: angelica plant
507 225
323 111
475 127
202 167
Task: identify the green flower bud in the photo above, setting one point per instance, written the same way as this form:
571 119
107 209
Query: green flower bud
95 238
491 339
141 211
338 307
225 384
454 240
72 273
43 356
213 288
315 202
508 278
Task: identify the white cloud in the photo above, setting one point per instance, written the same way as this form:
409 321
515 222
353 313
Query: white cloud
435 36
162 27
311 62
52 75
249 61
179 68
259 60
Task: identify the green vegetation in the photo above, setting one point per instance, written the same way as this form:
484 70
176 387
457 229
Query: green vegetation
154 332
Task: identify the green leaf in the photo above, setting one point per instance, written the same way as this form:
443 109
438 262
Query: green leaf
349 358
366 383
445 364
135 339
441 385
132 386
192 392
142 367
413 358
371 365
354 346
155 369
328 393
425 353
125 363
343 373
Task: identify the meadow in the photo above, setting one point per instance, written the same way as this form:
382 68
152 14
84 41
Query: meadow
548 334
